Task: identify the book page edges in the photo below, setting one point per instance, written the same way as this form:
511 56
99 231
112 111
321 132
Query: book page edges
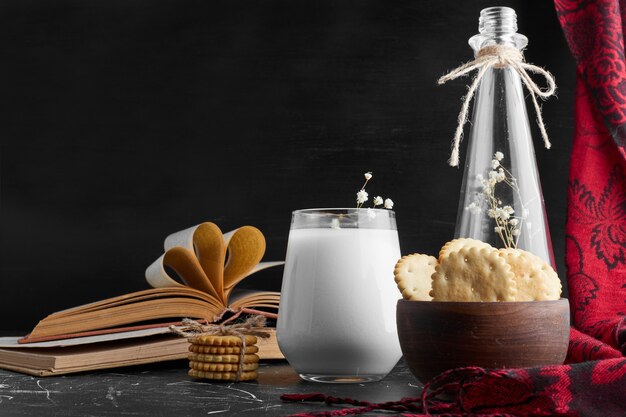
142 352
92 336
64 371
125 314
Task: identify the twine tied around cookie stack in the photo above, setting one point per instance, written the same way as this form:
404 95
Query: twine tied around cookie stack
219 336
498 56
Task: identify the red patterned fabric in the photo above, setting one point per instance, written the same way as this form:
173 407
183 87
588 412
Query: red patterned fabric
596 223
592 388
592 383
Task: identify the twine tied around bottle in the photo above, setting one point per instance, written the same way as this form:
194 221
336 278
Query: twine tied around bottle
499 56
253 326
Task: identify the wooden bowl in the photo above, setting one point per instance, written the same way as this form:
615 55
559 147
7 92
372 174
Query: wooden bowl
437 336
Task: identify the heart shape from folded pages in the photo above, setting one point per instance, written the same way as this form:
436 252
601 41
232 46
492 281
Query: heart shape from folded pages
208 260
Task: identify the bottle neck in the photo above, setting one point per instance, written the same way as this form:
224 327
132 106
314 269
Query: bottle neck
497 26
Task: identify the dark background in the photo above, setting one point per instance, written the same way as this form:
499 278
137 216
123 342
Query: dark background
124 121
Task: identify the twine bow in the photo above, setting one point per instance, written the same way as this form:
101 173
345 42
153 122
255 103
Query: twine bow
498 56
253 326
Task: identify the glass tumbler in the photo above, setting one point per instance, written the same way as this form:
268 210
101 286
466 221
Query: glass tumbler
336 321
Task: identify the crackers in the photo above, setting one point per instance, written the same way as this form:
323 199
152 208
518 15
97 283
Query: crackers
461 242
471 270
223 376
474 274
222 350
222 367
214 340
223 358
413 276
535 279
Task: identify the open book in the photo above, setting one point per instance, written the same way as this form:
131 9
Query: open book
210 265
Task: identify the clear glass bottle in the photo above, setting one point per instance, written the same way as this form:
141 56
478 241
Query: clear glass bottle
501 201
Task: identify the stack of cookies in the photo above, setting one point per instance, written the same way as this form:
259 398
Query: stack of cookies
226 358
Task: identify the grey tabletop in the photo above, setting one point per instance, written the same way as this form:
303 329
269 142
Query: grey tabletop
165 389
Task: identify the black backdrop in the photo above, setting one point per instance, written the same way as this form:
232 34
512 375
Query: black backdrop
124 121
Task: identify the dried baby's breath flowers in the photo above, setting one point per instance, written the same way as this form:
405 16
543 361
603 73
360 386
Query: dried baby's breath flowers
507 222
362 196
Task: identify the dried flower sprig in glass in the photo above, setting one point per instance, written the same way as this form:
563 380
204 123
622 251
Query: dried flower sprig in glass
508 223
362 196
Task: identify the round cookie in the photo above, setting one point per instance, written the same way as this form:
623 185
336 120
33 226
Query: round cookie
535 279
473 274
205 357
222 367
222 350
223 358
223 376
214 340
458 243
413 276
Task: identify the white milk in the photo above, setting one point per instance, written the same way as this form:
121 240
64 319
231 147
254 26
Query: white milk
338 305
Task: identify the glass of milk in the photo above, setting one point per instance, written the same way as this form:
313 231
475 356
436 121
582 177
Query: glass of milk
336 321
